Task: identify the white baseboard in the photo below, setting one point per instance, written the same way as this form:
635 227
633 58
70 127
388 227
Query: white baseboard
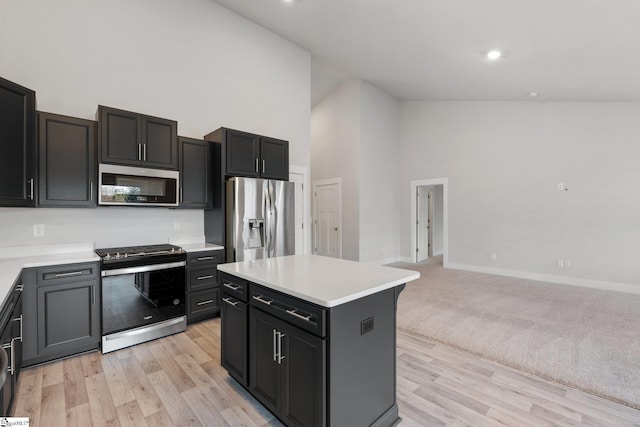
564 280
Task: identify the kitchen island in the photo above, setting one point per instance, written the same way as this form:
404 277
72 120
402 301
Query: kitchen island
314 338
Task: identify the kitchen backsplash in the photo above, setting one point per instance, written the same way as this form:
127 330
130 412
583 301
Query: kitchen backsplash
104 226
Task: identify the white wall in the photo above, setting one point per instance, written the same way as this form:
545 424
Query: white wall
335 141
353 136
379 228
192 61
503 160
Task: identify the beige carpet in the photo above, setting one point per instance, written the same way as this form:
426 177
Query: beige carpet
585 338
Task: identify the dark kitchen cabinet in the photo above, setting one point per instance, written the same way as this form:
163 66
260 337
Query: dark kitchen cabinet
234 338
274 155
134 139
67 153
250 155
11 342
203 288
65 303
287 370
195 174
17 145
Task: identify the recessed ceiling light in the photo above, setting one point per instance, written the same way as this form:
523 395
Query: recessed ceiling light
533 94
494 54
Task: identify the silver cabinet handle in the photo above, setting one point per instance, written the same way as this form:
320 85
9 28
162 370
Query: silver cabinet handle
204 258
91 191
144 151
257 165
139 151
263 163
230 286
30 189
262 300
10 346
20 287
209 276
228 301
299 316
280 356
275 339
72 273
209 301
19 319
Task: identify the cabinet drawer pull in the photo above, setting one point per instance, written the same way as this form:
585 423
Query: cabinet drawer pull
262 300
299 316
20 287
139 151
11 367
263 163
204 258
232 287
209 276
72 273
209 301
257 165
144 155
228 301
19 319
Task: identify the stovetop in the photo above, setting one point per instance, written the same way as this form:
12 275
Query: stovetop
141 254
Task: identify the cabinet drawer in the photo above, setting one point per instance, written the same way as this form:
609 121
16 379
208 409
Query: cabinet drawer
234 286
67 273
202 259
300 313
202 279
203 304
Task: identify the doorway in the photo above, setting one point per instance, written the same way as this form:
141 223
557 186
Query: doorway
299 176
327 221
429 222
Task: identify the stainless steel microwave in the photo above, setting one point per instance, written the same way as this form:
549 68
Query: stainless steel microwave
133 186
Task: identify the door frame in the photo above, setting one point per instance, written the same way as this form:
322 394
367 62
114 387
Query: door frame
428 211
316 184
306 218
445 215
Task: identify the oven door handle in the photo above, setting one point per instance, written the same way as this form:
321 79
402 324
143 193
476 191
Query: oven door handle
142 268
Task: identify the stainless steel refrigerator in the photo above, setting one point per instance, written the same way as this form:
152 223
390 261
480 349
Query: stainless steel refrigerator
260 219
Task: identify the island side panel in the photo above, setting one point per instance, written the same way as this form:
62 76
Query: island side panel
362 361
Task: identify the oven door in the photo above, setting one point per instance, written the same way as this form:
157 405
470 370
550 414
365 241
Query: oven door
143 295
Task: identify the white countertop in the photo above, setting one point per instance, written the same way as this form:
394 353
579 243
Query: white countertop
10 267
199 247
325 281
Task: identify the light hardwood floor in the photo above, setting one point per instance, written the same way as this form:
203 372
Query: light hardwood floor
178 381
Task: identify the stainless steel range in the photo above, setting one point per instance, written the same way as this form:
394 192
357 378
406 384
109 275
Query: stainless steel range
143 294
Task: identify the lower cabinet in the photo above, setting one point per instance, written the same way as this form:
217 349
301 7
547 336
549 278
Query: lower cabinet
64 317
234 346
203 288
11 342
287 368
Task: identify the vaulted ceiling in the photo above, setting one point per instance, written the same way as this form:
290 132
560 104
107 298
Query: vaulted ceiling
561 50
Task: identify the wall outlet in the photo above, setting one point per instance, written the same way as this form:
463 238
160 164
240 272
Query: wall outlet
38 230
567 263
176 225
366 326
494 256
560 263
560 186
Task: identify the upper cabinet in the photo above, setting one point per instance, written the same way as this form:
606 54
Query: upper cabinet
250 155
134 139
67 152
17 145
195 176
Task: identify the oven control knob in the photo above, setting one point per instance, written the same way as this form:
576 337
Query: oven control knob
107 256
117 255
173 250
125 255
176 301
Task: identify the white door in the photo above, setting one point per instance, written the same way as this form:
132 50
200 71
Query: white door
422 223
328 218
298 179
